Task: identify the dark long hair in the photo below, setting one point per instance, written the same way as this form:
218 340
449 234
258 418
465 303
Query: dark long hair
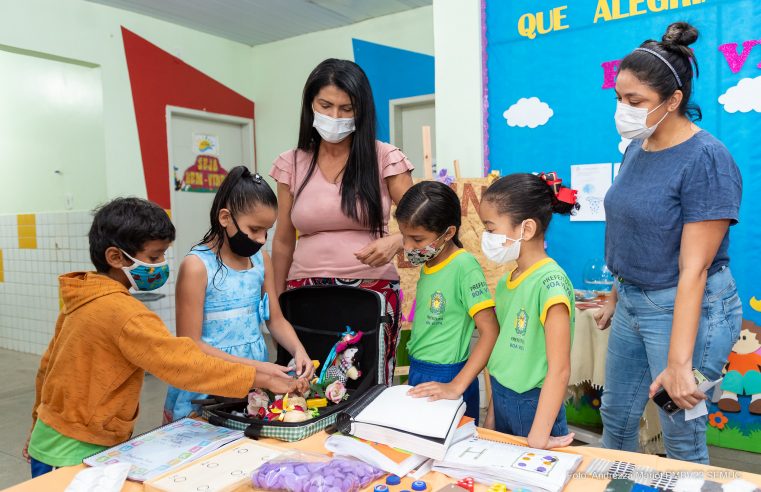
651 70
524 196
433 206
240 192
360 184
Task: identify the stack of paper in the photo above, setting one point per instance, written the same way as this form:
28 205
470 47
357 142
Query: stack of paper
398 420
516 466
389 459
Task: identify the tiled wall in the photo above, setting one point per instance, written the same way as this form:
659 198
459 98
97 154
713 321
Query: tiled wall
34 250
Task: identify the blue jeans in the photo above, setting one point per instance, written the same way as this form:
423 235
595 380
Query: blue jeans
514 412
425 372
40 468
638 352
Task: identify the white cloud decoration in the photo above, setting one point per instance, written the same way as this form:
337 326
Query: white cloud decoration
528 112
744 97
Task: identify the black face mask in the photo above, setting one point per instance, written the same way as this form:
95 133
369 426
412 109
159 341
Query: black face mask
241 244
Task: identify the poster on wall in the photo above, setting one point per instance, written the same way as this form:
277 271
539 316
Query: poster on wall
592 182
549 73
204 176
205 144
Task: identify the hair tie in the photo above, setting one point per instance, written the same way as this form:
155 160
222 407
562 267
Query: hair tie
562 194
257 178
664 60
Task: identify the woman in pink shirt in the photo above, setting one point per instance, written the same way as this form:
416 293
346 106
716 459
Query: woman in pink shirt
336 190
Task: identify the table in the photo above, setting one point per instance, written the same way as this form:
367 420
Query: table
59 479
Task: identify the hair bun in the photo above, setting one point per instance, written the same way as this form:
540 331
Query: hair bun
681 34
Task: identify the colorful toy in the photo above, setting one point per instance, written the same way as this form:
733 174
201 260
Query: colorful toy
283 410
343 359
257 400
498 487
335 392
317 403
467 483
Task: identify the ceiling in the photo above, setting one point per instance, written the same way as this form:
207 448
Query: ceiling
255 22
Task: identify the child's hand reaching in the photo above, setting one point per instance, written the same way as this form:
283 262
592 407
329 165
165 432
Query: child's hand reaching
280 386
550 442
304 365
435 391
270 369
25 451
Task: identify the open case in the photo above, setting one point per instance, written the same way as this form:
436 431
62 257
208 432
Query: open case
320 315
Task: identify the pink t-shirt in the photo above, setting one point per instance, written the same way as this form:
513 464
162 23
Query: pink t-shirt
328 238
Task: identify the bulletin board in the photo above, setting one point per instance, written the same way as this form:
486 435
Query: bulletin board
549 73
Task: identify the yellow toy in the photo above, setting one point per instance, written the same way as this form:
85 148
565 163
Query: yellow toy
317 402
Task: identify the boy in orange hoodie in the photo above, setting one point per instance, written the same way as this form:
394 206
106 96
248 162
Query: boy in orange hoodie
89 381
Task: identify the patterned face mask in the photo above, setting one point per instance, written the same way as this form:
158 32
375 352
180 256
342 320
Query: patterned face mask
418 256
146 276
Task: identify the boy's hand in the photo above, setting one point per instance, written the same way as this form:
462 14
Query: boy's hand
281 386
435 391
270 369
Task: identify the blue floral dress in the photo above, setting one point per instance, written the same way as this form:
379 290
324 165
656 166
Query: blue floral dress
234 308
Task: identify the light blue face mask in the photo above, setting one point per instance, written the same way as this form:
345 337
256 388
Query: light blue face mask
146 276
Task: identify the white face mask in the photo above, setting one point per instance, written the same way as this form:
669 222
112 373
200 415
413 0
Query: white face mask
631 122
331 129
493 247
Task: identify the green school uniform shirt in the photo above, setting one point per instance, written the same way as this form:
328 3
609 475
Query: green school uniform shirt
448 296
519 359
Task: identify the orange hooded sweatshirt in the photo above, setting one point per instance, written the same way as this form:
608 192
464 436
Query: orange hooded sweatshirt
90 377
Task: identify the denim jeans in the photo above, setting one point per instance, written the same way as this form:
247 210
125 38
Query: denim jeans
514 412
424 372
40 468
638 352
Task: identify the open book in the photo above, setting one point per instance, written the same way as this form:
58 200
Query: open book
392 460
393 418
516 466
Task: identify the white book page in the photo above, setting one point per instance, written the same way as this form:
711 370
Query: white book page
394 408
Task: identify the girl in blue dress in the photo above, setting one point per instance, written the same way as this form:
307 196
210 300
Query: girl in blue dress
224 287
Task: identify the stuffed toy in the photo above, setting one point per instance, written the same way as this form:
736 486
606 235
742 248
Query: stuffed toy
343 360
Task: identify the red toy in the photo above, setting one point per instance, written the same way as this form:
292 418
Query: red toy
466 483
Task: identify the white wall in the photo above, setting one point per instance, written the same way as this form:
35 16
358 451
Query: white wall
92 33
51 135
457 42
280 69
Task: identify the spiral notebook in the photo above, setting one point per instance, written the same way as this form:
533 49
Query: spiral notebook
165 448
516 466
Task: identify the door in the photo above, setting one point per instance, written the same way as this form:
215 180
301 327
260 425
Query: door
203 147
407 118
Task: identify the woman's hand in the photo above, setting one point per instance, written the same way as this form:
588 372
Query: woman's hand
281 386
604 315
435 391
381 251
679 383
304 366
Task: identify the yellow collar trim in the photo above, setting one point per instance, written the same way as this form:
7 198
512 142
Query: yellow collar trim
444 263
512 284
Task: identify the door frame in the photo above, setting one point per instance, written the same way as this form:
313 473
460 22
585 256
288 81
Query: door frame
248 140
395 108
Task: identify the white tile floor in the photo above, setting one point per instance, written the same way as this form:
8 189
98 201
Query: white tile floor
17 397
